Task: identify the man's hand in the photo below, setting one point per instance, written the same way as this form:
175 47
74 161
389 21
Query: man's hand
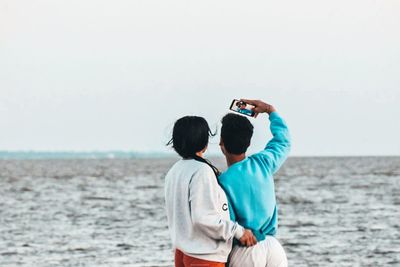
260 106
248 239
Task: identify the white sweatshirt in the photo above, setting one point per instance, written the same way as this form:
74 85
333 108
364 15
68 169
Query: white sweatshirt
197 211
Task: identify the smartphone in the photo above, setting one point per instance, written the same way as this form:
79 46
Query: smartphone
242 108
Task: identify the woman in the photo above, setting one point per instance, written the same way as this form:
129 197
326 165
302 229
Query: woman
197 209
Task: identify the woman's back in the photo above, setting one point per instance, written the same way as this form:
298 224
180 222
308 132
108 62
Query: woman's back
195 205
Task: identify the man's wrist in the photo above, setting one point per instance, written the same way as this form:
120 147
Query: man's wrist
269 109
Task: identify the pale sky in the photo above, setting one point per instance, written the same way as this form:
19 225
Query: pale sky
115 75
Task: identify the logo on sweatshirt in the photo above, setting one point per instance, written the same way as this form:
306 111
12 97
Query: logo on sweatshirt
225 207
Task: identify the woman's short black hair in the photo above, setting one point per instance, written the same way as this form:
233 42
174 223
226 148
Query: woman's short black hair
236 133
190 135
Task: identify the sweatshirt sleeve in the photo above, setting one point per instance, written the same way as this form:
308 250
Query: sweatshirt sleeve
277 149
205 212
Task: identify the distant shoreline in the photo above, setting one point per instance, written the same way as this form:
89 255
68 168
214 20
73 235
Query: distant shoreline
4 155
28 155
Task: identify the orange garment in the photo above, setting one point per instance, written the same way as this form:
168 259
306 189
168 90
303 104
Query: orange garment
182 260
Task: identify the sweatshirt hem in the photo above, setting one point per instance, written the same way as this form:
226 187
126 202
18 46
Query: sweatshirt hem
209 257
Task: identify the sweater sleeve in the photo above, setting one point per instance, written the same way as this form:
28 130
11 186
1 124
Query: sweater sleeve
277 149
205 212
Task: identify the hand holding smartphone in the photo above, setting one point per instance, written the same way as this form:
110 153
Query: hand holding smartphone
242 108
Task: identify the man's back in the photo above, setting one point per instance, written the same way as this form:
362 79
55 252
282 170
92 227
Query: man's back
249 183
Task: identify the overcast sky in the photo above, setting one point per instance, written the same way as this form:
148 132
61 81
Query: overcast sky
110 75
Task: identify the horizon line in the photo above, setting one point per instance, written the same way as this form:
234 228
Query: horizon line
82 154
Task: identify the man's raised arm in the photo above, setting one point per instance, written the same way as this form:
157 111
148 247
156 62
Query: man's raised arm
277 149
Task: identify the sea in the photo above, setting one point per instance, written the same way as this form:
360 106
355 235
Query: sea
333 211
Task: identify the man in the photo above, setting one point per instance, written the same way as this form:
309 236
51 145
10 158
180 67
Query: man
249 185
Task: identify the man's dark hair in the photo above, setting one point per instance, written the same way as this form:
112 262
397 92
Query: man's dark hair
190 135
236 133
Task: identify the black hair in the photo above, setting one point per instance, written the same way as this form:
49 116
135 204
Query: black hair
190 135
236 133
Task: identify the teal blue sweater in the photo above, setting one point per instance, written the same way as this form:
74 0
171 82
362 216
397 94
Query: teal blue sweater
249 184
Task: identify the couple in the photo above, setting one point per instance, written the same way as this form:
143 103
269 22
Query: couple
231 217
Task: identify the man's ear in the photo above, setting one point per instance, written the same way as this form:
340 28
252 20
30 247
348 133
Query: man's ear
221 145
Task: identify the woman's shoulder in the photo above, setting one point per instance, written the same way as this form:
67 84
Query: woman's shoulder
191 165
196 166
